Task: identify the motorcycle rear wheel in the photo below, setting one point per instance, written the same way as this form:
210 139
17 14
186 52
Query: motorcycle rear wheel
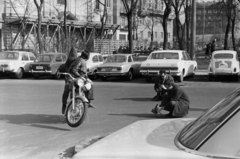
74 118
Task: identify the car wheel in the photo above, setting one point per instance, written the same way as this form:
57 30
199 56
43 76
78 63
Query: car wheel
57 75
94 75
180 78
104 78
130 75
36 76
148 79
19 73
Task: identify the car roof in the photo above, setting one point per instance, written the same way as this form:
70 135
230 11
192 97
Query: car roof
123 54
224 51
167 51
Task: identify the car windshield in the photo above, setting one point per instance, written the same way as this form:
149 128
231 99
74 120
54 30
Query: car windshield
164 55
216 130
116 58
45 58
9 55
223 56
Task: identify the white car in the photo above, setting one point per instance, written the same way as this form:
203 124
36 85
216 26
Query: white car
178 62
15 62
120 65
224 63
95 59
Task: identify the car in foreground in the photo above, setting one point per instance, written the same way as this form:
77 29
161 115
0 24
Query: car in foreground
119 65
95 59
214 134
178 62
48 64
224 63
15 62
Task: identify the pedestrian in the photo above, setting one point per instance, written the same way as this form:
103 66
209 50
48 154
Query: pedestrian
176 101
159 84
208 50
213 46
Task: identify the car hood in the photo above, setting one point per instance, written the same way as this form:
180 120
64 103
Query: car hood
158 63
112 64
141 140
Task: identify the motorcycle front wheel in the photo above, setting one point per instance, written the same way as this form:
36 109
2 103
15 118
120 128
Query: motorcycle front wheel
75 117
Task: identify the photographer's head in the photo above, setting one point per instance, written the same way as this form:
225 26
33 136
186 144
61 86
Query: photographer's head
169 83
85 54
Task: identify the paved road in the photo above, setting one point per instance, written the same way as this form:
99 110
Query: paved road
31 126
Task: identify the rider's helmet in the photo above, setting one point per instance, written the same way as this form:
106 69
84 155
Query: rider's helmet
85 54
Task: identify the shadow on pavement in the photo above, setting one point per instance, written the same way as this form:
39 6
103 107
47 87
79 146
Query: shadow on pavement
35 120
140 99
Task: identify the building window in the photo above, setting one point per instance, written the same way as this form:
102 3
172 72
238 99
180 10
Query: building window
97 4
60 1
122 37
108 3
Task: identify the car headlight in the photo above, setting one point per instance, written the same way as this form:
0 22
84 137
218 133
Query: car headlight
80 82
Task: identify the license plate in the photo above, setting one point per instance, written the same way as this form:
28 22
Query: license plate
39 67
108 69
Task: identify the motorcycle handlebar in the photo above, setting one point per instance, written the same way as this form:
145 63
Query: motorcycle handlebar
64 73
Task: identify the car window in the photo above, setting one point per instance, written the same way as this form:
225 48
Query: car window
95 59
9 55
187 55
223 56
100 58
58 58
184 56
25 57
116 58
164 55
45 58
32 56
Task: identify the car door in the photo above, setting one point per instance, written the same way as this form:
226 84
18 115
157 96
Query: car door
31 59
25 61
190 64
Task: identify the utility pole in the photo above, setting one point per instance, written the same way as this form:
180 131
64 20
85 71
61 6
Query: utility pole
193 30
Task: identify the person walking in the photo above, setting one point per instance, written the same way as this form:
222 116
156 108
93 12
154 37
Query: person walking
208 50
213 46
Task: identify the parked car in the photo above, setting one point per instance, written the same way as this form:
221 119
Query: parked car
15 62
224 63
95 59
119 65
48 64
215 134
178 62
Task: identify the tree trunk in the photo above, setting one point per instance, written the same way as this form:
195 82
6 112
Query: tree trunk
39 33
226 33
130 39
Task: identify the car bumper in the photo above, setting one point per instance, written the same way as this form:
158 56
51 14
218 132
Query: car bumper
46 72
156 73
112 74
223 73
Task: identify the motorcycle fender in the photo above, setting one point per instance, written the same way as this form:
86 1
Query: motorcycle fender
83 98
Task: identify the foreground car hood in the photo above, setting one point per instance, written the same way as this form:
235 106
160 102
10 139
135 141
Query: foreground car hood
112 64
142 139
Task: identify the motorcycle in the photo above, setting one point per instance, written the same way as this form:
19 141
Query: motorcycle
76 110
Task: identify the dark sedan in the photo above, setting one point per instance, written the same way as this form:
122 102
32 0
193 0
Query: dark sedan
48 64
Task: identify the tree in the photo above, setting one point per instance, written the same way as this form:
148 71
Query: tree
178 7
130 7
167 11
39 33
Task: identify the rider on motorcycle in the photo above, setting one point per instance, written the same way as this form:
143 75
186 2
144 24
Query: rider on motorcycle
78 68
159 84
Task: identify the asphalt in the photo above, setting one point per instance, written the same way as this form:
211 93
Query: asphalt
70 152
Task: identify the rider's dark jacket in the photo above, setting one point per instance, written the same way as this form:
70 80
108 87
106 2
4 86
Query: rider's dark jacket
78 68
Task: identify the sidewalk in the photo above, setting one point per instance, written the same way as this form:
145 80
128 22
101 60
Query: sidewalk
201 72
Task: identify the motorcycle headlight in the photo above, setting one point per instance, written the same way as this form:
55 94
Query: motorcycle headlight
80 82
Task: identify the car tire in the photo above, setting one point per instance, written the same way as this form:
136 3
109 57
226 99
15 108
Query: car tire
57 75
130 75
104 78
94 76
180 78
36 77
148 79
19 73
